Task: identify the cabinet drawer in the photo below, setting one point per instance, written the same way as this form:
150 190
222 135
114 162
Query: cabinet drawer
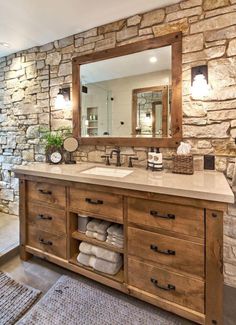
171 286
46 242
97 203
182 219
178 254
46 218
51 194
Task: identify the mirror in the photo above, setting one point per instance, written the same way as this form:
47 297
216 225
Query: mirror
70 144
124 95
151 111
107 89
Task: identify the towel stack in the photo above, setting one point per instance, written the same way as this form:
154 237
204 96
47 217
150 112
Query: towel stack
97 229
115 235
100 259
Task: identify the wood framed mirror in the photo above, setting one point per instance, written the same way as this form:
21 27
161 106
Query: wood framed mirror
151 108
106 87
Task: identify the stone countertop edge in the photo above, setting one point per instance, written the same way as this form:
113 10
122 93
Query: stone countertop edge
127 182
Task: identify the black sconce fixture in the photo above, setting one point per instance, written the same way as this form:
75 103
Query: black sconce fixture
63 98
199 81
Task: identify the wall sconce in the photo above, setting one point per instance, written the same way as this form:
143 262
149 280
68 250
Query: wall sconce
199 81
63 98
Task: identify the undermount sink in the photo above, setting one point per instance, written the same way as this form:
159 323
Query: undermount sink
104 171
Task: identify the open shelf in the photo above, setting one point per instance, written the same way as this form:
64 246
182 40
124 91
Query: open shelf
80 236
119 277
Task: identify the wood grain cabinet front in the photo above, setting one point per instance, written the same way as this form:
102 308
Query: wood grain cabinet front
159 215
49 194
172 246
47 242
108 206
185 291
46 218
177 254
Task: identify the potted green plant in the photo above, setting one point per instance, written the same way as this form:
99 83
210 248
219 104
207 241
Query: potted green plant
53 141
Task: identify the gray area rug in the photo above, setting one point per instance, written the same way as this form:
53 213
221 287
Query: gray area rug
15 299
83 302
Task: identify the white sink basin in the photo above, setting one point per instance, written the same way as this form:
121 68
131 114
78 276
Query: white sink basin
103 171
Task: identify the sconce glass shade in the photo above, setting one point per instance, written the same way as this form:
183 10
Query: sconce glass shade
200 87
60 102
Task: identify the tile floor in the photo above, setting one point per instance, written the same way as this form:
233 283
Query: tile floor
9 232
42 275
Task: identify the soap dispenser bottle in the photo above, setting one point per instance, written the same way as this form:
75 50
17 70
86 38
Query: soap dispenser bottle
151 156
157 159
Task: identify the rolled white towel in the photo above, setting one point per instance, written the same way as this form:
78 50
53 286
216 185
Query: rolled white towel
96 235
112 238
100 264
120 245
116 230
93 224
84 259
99 252
106 266
100 226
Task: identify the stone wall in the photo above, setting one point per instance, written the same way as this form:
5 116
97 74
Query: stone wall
209 37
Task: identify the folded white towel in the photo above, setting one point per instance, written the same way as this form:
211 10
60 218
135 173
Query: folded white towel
92 224
100 226
115 230
112 238
96 235
99 252
100 264
120 245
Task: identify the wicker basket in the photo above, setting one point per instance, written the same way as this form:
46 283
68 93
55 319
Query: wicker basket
183 164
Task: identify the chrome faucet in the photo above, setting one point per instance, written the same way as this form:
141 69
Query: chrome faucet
117 151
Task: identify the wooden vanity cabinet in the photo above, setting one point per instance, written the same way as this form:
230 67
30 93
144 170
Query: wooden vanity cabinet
173 245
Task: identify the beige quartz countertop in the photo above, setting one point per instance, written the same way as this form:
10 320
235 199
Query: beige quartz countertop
206 185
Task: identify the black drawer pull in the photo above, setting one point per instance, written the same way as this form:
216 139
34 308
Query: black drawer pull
91 201
42 217
163 216
45 242
164 251
45 192
169 287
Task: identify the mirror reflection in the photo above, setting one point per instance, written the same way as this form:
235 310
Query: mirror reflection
127 96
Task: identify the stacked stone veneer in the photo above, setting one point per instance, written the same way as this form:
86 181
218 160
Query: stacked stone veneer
209 37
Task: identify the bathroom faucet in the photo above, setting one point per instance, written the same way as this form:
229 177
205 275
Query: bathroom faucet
117 151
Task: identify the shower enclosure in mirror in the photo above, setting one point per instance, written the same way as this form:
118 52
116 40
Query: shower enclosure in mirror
129 95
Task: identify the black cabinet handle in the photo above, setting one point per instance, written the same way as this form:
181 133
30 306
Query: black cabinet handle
163 216
42 217
164 251
45 192
169 287
91 201
45 242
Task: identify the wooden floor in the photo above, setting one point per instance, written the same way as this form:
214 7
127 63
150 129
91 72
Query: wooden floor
9 232
42 275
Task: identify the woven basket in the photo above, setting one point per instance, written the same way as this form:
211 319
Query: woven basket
183 164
